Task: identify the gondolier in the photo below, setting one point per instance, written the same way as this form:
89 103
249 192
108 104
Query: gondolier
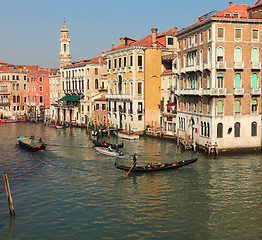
135 158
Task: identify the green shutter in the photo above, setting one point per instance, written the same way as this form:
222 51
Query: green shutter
254 55
220 107
238 55
237 80
237 106
254 80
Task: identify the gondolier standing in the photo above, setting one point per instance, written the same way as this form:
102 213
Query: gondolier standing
135 158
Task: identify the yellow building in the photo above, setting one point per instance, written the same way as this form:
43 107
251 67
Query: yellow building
134 80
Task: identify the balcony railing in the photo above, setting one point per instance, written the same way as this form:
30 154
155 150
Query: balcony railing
207 66
198 92
239 91
215 91
256 91
221 65
255 65
199 67
4 103
239 65
118 96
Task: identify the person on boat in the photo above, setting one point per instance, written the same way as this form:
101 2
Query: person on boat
110 149
32 137
117 148
135 158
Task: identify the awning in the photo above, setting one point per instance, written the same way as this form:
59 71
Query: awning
172 104
191 51
72 98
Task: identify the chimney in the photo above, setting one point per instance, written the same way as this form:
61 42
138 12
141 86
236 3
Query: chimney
113 46
230 4
103 54
175 28
121 41
154 31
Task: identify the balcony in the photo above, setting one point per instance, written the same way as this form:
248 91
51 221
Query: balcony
255 65
119 96
239 65
140 69
207 66
191 68
199 67
215 91
197 92
238 91
221 65
4 103
256 91
183 70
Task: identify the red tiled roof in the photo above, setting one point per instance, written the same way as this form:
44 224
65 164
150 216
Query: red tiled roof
258 3
146 41
240 9
167 71
101 99
99 59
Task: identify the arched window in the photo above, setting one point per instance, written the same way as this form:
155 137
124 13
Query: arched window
254 106
253 129
220 80
220 54
220 107
88 84
18 99
208 129
201 57
237 83
254 55
238 54
254 80
120 84
14 99
220 130
237 106
205 129
202 128
209 55
237 129
96 83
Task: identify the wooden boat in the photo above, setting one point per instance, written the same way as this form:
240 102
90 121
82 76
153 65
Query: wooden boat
52 124
60 126
106 151
128 135
105 144
30 143
12 121
157 167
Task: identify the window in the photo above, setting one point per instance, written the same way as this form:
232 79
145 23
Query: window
40 79
40 88
179 45
237 129
131 61
254 129
220 54
109 64
139 61
139 89
115 63
254 81
238 54
254 55
96 71
195 39
237 83
97 106
170 41
220 107
41 100
254 106
235 15
220 130
255 35
209 34
103 107
18 99
238 34
220 34
64 47
184 43
220 80
88 84
227 14
96 84
119 62
124 62
201 37
237 106
189 41
209 55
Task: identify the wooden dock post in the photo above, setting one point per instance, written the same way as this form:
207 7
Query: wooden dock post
8 194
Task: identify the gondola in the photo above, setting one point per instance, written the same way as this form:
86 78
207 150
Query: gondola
105 144
157 167
30 143
106 151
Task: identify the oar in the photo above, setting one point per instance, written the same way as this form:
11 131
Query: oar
88 143
130 169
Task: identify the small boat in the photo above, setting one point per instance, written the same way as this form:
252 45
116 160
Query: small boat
12 121
30 142
128 135
60 126
106 151
53 124
105 144
157 167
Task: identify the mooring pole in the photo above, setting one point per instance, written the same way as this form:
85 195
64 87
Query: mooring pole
8 194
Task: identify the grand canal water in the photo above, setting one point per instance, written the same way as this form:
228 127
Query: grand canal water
69 191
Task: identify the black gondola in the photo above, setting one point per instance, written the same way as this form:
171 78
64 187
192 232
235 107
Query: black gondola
106 144
157 167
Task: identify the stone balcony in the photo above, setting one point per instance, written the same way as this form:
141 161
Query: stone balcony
221 65
239 65
215 91
256 65
256 91
238 91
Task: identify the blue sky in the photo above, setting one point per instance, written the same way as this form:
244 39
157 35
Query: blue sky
30 28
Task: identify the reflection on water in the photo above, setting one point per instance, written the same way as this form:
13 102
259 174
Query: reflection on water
71 192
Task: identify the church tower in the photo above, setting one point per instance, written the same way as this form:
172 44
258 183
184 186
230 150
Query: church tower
65 55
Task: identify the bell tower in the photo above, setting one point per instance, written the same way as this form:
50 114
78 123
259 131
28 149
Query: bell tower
65 55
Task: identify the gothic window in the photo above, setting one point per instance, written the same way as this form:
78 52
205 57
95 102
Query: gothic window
220 54
237 129
237 81
254 129
237 106
220 80
96 84
14 99
238 54
18 99
64 47
254 106
254 55
220 130
139 90
220 107
254 81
